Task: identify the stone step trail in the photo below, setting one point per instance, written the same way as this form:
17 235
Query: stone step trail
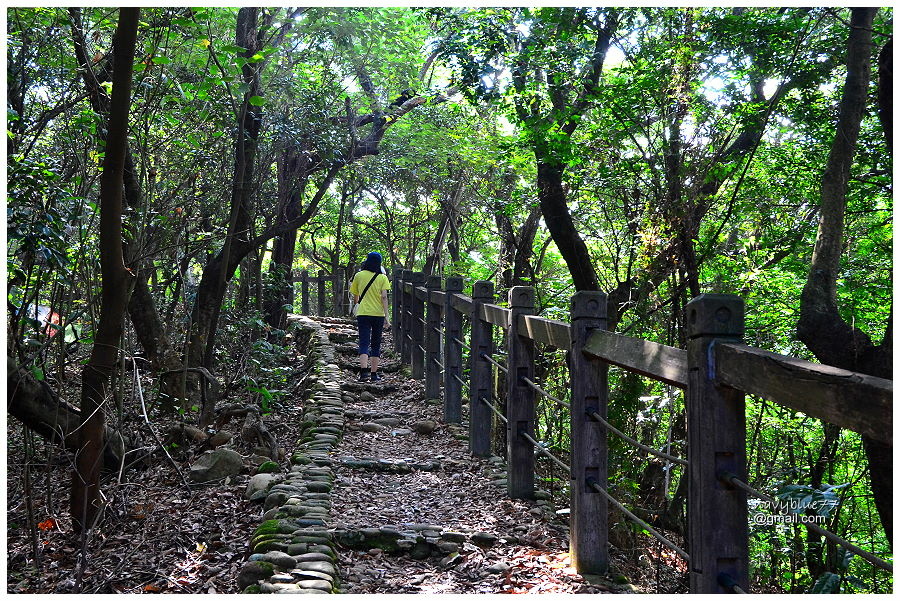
382 497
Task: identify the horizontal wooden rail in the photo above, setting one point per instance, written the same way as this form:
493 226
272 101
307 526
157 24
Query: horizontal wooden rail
437 296
495 314
652 359
461 303
421 293
845 398
546 331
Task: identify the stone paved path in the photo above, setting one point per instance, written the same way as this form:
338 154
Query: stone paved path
416 513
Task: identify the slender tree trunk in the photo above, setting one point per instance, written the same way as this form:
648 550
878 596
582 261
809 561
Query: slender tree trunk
36 405
281 275
148 327
448 215
559 223
219 271
821 327
86 500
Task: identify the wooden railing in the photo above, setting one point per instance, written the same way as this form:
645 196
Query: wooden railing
716 370
336 305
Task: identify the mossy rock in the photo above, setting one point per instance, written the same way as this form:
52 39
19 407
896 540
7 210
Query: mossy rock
254 571
270 545
269 467
267 537
301 459
253 589
277 527
316 540
267 527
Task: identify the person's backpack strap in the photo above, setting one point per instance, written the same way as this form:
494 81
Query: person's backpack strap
366 289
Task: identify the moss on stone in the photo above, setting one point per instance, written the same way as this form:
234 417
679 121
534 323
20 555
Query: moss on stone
268 467
253 589
269 545
267 527
300 459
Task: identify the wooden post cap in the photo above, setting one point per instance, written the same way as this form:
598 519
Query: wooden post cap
588 303
418 277
433 281
715 315
398 272
483 289
454 283
407 274
521 296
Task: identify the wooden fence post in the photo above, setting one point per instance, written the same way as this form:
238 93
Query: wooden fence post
520 398
717 512
432 340
418 329
481 343
452 353
588 523
339 297
405 346
321 293
304 292
395 307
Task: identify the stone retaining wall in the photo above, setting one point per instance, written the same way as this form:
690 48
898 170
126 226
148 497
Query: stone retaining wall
293 550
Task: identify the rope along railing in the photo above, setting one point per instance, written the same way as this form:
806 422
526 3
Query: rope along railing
596 416
462 344
499 366
650 529
545 394
543 450
772 503
430 320
496 411
462 382
596 486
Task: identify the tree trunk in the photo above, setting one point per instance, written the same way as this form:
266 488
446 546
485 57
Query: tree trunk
886 92
280 275
36 405
249 124
821 328
142 311
86 499
449 211
559 223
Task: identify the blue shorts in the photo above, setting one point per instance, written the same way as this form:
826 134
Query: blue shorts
370 327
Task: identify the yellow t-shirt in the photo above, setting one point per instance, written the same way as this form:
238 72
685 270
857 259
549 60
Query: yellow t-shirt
371 302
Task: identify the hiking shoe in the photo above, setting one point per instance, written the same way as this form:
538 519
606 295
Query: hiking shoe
376 376
364 375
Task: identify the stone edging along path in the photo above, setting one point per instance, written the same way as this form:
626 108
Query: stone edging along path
293 550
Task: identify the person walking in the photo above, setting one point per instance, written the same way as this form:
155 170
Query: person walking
369 289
